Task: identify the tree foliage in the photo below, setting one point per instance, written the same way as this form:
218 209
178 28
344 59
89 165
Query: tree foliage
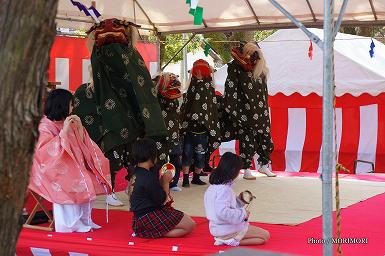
364 31
220 42
171 44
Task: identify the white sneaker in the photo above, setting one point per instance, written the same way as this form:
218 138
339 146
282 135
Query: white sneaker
113 200
265 170
248 176
176 189
95 226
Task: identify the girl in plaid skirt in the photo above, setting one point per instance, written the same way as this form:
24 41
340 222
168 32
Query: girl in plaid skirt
150 198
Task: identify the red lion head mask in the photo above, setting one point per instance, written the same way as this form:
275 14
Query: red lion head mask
201 68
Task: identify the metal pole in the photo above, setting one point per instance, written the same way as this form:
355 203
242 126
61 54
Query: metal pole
159 61
327 128
340 17
296 22
184 63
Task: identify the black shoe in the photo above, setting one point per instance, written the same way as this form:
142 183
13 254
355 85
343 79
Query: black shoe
186 181
197 180
208 169
202 174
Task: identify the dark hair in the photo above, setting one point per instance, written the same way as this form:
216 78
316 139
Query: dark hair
57 105
227 170
144 150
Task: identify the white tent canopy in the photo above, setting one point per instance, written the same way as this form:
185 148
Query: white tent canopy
291 70
172 16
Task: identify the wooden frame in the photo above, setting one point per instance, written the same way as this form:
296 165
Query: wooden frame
38 205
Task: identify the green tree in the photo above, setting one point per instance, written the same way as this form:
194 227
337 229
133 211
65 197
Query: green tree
263 34
222 43
363 31
170 45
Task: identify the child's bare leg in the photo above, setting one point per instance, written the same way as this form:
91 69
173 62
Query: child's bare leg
255 236
184 227
186 169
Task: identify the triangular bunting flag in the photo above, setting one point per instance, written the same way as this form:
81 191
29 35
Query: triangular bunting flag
198 16
194 4
371 52
207 49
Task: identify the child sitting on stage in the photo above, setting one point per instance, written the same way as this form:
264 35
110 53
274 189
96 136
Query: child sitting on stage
228 219
150 199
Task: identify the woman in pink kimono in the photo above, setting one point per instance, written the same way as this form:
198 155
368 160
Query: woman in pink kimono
68 169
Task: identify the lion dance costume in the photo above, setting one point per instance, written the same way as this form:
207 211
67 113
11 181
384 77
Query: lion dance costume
244 107
121 104
200 126
168 87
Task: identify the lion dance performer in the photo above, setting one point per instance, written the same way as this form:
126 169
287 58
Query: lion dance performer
168 87
120 105
200 126
245 112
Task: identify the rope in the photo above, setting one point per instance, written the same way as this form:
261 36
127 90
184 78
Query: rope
338 166
337 197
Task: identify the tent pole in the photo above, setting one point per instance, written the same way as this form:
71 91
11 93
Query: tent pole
327 128
340 17
184 63
296 22
327 112
159 60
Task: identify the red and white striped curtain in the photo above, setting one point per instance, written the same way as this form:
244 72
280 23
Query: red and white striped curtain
70 60
297 132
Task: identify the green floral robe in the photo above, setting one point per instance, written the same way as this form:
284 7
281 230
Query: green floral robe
122 105
245 115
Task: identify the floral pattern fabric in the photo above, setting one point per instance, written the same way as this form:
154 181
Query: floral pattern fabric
120 106
120 103
171 114
200 111
66 169
245 115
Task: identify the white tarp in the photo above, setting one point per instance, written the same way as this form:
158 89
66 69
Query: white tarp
173 15
291 70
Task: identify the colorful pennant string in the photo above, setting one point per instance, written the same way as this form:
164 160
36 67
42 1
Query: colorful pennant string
198 16
310 51
371 51
91 11
207 49
194 4
195 11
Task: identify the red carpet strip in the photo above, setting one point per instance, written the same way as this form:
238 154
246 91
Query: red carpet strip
362 220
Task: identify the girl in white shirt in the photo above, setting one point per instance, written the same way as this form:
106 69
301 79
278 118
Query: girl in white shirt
228 219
